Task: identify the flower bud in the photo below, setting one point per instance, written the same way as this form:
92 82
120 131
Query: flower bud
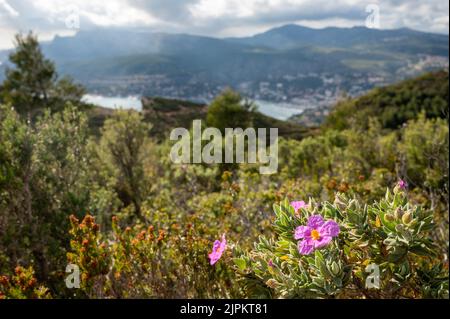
18 270
335 268
4 280
339 203
272 283
84 277
73 219
161 235
31 282
389 217
377 222
398 213
407 218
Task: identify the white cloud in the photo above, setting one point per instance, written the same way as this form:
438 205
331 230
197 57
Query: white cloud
8 9
214 17
205 9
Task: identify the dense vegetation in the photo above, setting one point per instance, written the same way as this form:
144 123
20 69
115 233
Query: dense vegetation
166 114
34 84
396 104
362 190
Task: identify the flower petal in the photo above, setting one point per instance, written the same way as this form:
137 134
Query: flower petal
213 258
306 247
298 204
402 184
302 232
322 241
217 251
315 221
223 243
216 246
329 228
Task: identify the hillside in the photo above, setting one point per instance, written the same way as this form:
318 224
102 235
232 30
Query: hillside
166 114
401 40
287 63
395 104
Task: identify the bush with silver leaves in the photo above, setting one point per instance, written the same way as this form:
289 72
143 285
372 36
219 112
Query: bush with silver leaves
383 250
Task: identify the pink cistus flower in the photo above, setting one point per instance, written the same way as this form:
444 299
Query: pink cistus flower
316 234
298 204
217 251
402 184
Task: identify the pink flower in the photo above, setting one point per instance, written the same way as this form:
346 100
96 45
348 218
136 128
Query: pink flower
316 234
402 184
298 204
217 251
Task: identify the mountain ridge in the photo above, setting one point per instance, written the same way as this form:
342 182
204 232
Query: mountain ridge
289 63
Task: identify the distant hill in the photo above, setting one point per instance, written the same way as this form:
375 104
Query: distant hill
282 64
395 104
288 62
400 40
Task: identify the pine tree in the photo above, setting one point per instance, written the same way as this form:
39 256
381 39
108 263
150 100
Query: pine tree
33 84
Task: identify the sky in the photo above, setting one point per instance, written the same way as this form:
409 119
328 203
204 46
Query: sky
217 18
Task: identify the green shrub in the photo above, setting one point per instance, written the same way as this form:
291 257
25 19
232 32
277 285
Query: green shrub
391 234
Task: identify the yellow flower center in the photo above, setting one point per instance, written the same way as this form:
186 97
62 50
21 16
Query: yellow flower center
315 234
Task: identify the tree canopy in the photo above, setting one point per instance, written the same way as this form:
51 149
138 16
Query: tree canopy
32 84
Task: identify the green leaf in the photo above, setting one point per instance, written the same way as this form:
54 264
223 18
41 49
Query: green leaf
240 263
